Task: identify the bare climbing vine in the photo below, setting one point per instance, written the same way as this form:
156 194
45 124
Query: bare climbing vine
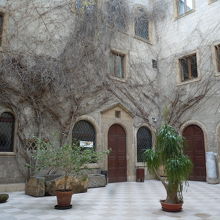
56 68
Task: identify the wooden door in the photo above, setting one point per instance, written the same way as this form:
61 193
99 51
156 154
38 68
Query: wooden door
195 149
117 162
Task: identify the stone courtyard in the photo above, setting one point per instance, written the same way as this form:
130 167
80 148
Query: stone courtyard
121 201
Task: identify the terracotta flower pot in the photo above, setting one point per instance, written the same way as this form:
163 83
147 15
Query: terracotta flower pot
64 198
171 207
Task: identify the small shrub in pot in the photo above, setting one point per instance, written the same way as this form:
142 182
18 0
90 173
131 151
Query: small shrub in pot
71 159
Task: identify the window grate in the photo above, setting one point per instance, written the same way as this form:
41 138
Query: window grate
217 51
144 142
7 122
1 27
117 14
142 25
84 131
154 64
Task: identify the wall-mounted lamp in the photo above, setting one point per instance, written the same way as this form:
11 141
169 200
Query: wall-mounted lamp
154 119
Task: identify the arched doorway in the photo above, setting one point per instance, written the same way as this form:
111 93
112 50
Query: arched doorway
117 161
195 149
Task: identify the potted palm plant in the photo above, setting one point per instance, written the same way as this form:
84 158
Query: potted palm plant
70 159
168 154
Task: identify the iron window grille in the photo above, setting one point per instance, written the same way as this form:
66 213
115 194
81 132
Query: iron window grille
154 64
84 131
217 52
144 142
142 25
117 15
1 27
7 123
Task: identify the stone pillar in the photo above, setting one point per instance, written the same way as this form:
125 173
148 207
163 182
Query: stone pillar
211 168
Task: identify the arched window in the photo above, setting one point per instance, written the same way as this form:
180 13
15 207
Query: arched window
144 142
142 25
7 122
85 133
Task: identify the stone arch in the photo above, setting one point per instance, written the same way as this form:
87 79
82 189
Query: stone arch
199 124
121 124
90 120
139 9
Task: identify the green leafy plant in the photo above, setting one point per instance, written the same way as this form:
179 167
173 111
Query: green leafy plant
71 159
168 153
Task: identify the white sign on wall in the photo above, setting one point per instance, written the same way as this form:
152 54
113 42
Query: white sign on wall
88 144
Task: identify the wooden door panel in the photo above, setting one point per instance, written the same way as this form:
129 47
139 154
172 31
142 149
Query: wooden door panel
121 164
117 163
195 149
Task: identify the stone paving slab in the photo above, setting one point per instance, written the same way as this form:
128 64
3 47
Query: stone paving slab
118 201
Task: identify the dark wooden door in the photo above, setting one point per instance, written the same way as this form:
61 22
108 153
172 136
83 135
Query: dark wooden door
117 162
195 149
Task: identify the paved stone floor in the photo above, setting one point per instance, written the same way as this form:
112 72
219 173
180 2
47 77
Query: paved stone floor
121 201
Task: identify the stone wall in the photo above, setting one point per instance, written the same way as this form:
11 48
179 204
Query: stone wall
44 29
196 32
171 38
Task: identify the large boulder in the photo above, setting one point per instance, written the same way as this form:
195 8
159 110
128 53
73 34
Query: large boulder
97 180
76 185
35 187
40 186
